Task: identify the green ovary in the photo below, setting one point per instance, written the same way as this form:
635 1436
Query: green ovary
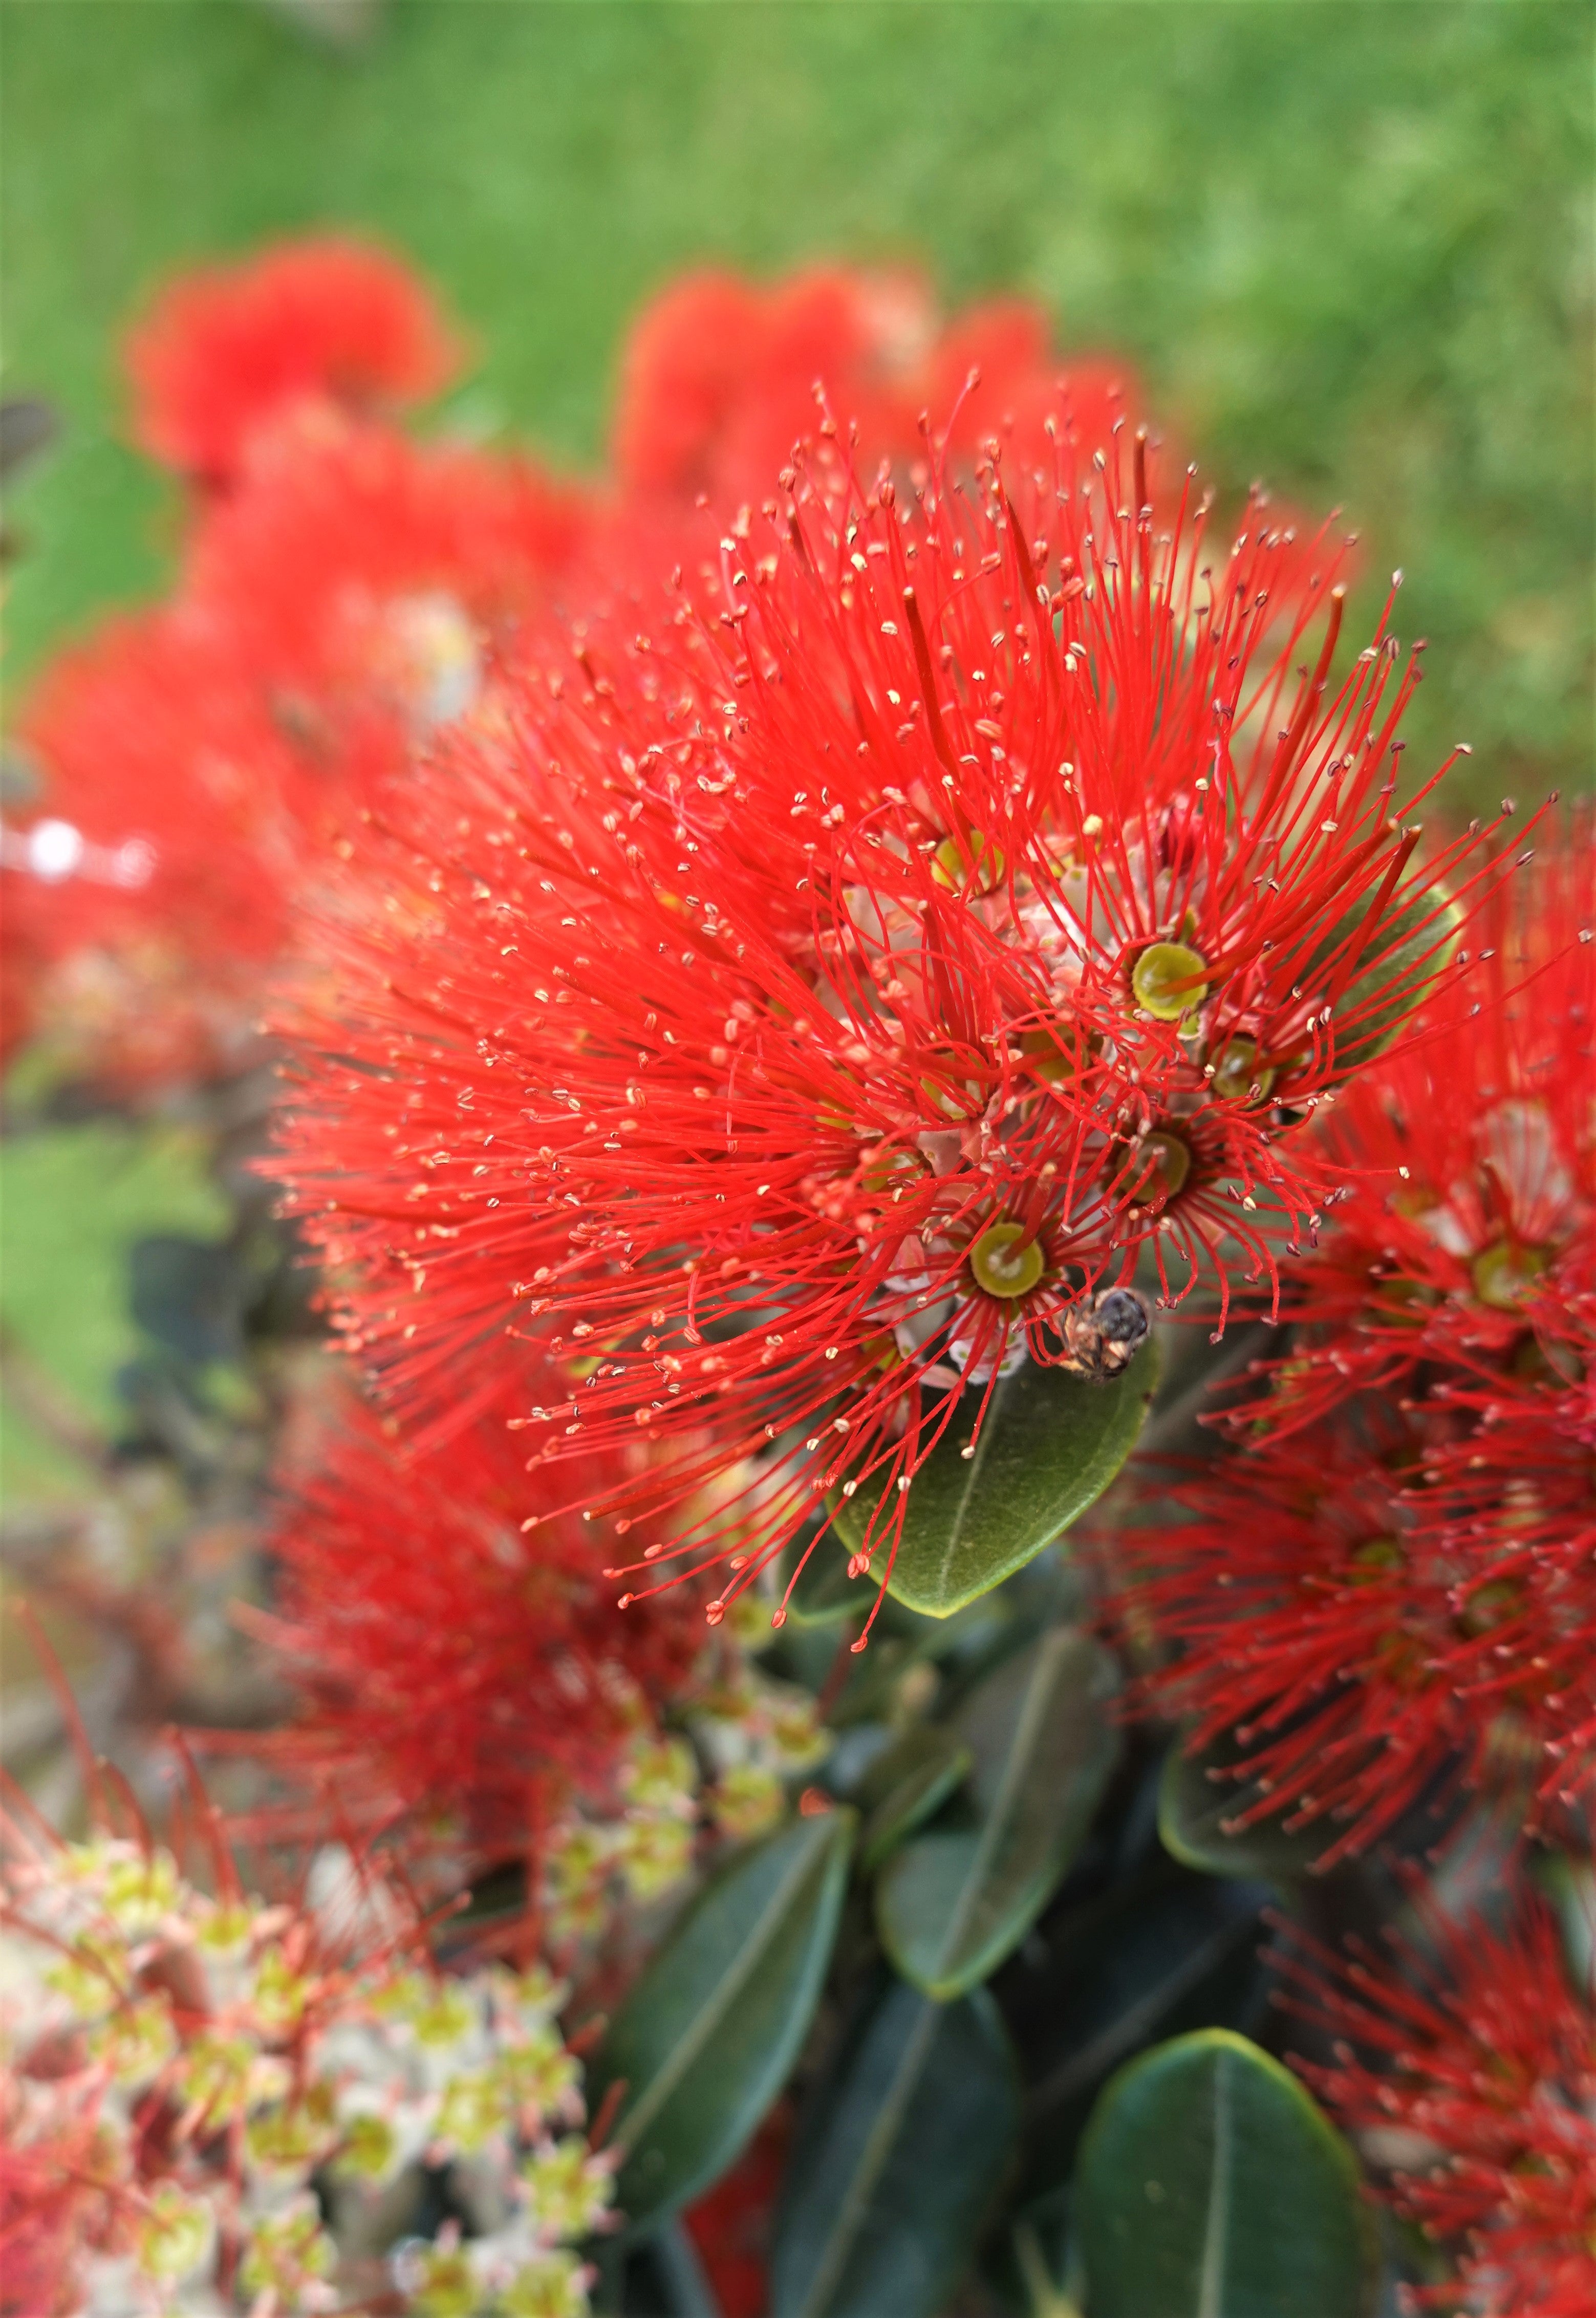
1007 1261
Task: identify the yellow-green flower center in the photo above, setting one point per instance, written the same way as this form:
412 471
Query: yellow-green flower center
1001 1265
1162 1163
1237 1072
1504 1273
977 861
1168 980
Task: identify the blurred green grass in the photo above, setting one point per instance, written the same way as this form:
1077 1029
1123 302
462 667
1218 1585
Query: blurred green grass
1349 247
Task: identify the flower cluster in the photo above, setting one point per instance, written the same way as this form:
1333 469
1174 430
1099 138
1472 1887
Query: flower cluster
452 1667
215 2102
801 1004
1472 2078
1389 1576
347 591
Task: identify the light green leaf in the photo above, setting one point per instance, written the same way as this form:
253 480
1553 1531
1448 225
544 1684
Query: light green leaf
898 2164
1212 2185
1050 1444
705 2040
953 1904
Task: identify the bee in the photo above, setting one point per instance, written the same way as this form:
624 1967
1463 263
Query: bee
1102 1334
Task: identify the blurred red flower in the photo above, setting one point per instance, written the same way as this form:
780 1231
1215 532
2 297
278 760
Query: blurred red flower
449 1663
1472 2073
227 352
719 378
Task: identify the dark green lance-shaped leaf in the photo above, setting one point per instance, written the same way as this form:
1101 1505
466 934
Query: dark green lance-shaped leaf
705 2040
908 1786
1197 1816
953 1904
1212 2185
1051 1444
897 2164
1396 960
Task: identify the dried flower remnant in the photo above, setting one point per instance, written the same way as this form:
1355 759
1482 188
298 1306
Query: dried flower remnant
1473 2084
811 995
1357 1637
204 2091
226 353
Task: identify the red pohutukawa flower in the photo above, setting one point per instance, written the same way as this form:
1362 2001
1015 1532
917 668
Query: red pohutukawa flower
449 1663
718 378
227 352
1474 2078
814 994
150 892
1354 1634
1466 1244
367 583
198 761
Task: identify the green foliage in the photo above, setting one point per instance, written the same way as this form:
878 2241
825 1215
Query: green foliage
707 2036
1212 2185
1050 1444
1197 1813
73 1201
908 1786
899 2158
954 1902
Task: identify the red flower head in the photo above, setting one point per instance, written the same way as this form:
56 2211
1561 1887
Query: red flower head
814 994
450 1663
150 891
367 584
1474 2079
200 759
719 376
1466 1237
1356 1633
226 353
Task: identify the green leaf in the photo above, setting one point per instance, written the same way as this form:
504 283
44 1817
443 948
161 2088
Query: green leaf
953 1904
1212 2185
1195 1815
705 2040
897 2164
908 1786
823 1593
1050 1444
1406 951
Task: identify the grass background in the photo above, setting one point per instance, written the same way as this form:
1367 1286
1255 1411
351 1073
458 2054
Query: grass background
1348 246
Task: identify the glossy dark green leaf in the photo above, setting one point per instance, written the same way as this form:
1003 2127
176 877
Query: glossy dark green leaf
705 2040
1212 2185
1401 955
1196 1819
898 2164
951 1904
1158 1954
908 1786
1050 1444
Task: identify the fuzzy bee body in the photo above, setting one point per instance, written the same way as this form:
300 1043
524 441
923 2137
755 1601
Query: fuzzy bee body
1102 1334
